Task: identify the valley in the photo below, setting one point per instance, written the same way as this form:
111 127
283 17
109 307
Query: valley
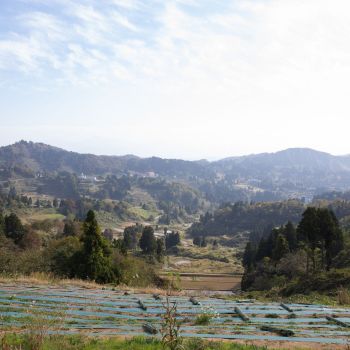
227 233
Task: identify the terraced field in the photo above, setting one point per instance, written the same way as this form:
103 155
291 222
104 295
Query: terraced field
110 312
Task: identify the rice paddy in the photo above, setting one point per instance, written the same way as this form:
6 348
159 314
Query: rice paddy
108 312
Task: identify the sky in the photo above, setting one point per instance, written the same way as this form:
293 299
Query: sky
188 79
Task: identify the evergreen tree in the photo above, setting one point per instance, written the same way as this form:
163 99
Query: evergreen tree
249 255
14 228
332 236
94 258
318 237
291 235
281 247
309 231
265 248
148 243
130 236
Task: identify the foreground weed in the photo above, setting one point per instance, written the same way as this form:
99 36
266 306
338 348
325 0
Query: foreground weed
171 327
38 325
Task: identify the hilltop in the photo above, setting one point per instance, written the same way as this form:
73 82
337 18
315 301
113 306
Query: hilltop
291 173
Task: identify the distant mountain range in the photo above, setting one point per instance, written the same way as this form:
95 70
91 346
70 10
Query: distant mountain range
42 157
296 172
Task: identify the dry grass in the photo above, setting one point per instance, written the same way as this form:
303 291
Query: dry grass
205 260
343 295
45 278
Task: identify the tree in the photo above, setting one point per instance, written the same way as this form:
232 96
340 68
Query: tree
131 236
120 245
172 239
61 254
291 235
285 254
264 248
30 240
281 247
14 228
309 231
160 249
95 256
55 203
332 236
108 234
148 242
319 228
2 225
12 193
249 255
69 228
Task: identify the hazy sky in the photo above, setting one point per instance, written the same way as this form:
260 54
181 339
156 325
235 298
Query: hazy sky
176 78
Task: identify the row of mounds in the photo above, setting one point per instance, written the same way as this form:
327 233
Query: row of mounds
109 311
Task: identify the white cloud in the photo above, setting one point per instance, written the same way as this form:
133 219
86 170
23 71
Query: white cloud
249 69
123 21
128 4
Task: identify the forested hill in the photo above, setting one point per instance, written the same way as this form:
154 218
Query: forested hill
44 158
290 167
293 173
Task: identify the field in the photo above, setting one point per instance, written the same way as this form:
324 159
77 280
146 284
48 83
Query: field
209 260
30 215
210 282
107 312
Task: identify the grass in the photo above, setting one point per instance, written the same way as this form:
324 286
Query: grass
132 215
29 215
18 341
40 278
106 219
203 320
343 295
143 214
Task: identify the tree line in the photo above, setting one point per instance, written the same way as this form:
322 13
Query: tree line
313 246
243 216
